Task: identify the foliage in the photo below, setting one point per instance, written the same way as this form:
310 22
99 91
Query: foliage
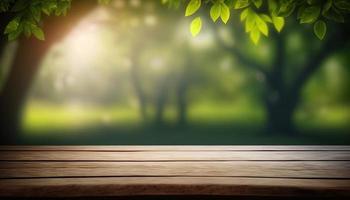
28 15
256 15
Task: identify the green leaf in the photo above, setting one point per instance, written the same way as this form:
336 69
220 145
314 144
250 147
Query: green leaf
255 35
215 11
327 6
241 4
300 12
320 29
225 13
257 3
196 26
38 32
12 25
48 7
278 23
266 18
334 15
36 13
342 4
262 26
192 7
250 22
27 29
244 14
272 4
310 14
286 8
15 34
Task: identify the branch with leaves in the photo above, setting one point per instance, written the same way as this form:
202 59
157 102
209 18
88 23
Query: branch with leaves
28 15
257 15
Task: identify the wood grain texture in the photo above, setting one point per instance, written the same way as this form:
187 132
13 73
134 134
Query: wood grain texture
107 171
132 186
175 156
128 148
285 169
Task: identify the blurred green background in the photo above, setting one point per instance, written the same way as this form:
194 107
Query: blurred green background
131 73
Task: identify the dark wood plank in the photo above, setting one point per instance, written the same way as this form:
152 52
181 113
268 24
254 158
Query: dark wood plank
279 169
175 156
108 171
132 186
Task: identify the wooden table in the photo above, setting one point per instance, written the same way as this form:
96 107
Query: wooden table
192 171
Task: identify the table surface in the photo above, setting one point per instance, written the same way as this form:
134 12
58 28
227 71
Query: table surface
112 171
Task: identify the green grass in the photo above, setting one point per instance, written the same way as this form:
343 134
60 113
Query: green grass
43 117
325 117
209 123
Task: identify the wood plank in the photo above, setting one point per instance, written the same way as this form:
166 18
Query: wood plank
132 186
174 156
129 148
107 171
284 169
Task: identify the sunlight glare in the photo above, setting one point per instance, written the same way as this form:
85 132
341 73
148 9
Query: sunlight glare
157 63
135 3
84 46
150 20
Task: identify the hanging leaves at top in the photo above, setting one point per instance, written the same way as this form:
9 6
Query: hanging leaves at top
259 16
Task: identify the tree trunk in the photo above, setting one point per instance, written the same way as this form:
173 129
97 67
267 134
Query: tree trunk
183 83
160 101
281 105
182 107
140 94
182 100
27 61
17 85
280 111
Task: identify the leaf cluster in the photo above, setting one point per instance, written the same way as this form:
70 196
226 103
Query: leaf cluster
259 16
28 15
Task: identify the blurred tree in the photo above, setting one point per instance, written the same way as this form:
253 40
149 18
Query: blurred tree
281 98
183 84
136 80
152 74
26 65
283 89
257 14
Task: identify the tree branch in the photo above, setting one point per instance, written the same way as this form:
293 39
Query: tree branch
337 41
276 74
242 58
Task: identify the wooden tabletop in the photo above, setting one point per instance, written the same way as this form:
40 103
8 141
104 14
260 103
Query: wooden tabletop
112 171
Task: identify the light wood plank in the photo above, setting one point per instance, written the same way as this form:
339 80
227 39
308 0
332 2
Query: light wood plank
132 186
107 171
174 156
178 148
309 169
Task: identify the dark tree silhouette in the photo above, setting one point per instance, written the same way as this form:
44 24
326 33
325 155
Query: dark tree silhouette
281 97
137 82
27 61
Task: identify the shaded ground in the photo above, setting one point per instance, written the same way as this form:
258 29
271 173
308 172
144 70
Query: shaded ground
195 134
225 124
